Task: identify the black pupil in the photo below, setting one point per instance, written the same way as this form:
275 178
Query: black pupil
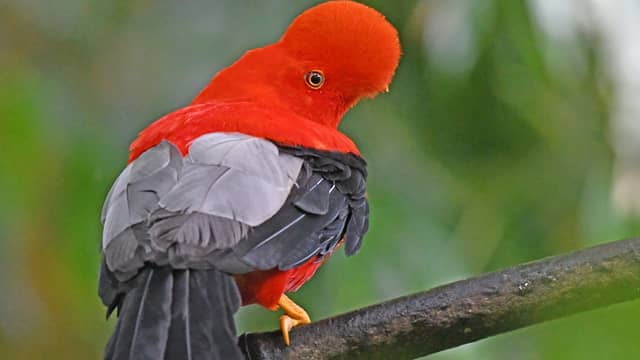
315 78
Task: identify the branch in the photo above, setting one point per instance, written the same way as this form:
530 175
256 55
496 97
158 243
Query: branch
467 310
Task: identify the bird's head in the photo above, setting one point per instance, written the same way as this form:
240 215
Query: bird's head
331 56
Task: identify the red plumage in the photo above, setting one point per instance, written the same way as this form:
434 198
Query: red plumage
263 94
266 287
353 52
284 127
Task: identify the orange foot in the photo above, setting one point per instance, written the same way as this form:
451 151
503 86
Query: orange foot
294 315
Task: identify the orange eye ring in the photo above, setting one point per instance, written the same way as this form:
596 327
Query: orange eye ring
314 79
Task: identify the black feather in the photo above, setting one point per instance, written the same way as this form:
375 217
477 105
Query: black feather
119 346
152 325
177 314
328 204
177 347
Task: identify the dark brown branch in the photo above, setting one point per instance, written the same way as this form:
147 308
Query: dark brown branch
467 310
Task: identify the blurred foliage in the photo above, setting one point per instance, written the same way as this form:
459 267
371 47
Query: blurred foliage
490 150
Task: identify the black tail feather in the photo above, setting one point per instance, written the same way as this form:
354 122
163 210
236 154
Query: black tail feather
177 314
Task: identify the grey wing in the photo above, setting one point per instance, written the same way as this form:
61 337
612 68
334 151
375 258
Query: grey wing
134 195
328 205
235 203
191 211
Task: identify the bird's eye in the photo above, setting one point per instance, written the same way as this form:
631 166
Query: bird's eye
314 79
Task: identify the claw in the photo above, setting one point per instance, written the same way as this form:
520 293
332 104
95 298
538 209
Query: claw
286 324
294 316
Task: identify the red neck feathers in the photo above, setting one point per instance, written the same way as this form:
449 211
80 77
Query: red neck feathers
185 125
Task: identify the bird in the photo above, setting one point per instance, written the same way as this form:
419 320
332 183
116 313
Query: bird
238 197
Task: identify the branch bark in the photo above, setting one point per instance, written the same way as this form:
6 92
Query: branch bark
467 310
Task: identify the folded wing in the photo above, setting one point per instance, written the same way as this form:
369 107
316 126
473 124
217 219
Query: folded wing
235 203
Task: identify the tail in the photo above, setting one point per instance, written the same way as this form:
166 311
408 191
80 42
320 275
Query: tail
173 314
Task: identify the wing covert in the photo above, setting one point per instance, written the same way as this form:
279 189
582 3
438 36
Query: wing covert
327 205
184 211
234 202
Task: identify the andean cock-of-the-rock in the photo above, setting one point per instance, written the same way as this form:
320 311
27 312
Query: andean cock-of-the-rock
238 197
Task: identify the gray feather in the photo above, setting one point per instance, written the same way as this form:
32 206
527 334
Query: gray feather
316 217
134 195
224 174
121 252
247 154
229 183
168 209
316 200
118 188
191 238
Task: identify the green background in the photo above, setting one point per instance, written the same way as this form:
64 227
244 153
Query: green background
490 150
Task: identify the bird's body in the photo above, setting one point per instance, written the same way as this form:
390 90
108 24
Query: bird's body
240 196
